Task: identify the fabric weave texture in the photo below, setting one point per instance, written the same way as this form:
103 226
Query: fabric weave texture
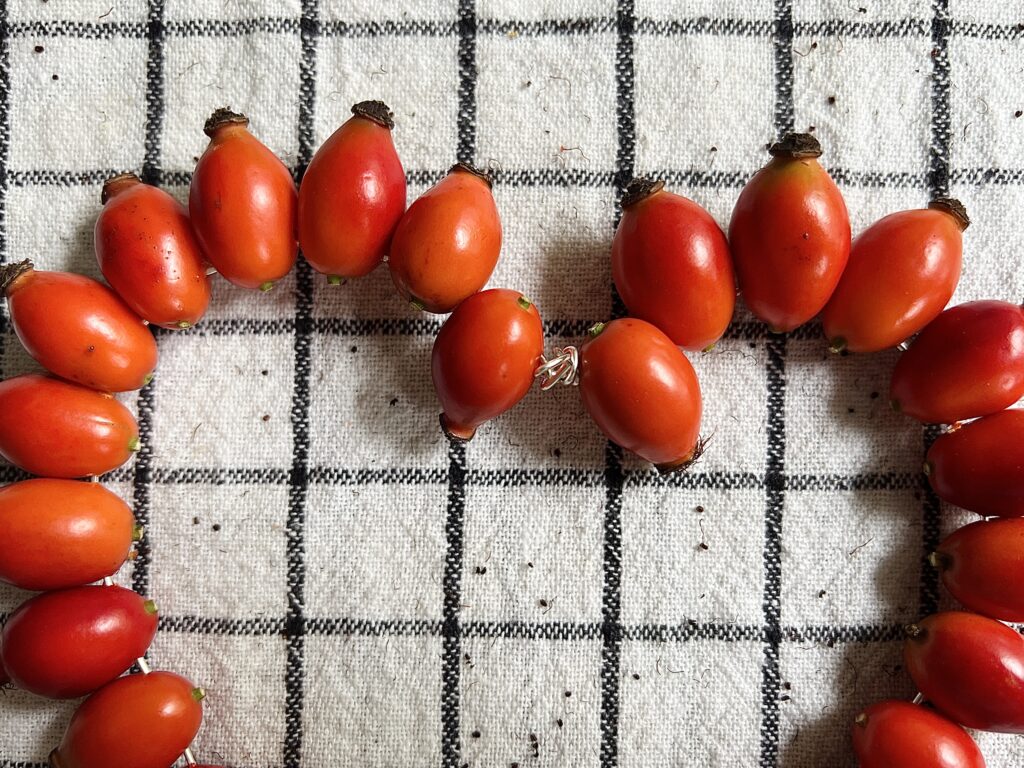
350 589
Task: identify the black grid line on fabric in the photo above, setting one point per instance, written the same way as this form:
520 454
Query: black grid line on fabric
614 479
576 178
775 486
298 478
5 148
938 186
142 469
909 26
451 667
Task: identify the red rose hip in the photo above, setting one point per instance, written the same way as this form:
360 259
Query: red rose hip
980 465
671 265
68 643
52 428
148 253
243 205
982 566
61 533
447 243
138 721
970 667
902 272
898 734
968 362
642 392
790 235
352 195
78 328
484 359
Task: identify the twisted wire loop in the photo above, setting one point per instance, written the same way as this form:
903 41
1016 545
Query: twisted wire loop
562 368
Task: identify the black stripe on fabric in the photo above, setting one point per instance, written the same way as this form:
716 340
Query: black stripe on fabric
775 502
579 26
298 485
614 477
782 37
572 179
467 27
869 481
830 634
206 625
220 476
771 677
142 478
5 147
908 27
905 27
693 630
388 28
704 25
384 476
696 480
938 186
938 152
451 654
931 533
451 748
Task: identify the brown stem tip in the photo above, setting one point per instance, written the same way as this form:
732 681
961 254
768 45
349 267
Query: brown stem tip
954 208
640 189
455 434
467 168
796 146
11 272
914 632
377 111
115 184
861 720
222 117
687 462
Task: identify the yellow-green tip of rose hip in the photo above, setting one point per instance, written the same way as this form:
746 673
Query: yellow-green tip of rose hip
334 280
837 345
596 329
147 378
417 305
267 286
184 325
861 720
709 347
198 694
134 445
524 302
150 607
927 469
138 531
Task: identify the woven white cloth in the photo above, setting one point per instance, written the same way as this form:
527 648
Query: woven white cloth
351 591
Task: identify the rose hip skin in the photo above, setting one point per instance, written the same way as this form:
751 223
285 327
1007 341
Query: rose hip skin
148 253
970 667
671 265
142 721
789 236
484 359
52 428
78 329
897 733
243 205
902 272
968 362
61 533
980 466
68 643
352 196
642 392
447 243
982 566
